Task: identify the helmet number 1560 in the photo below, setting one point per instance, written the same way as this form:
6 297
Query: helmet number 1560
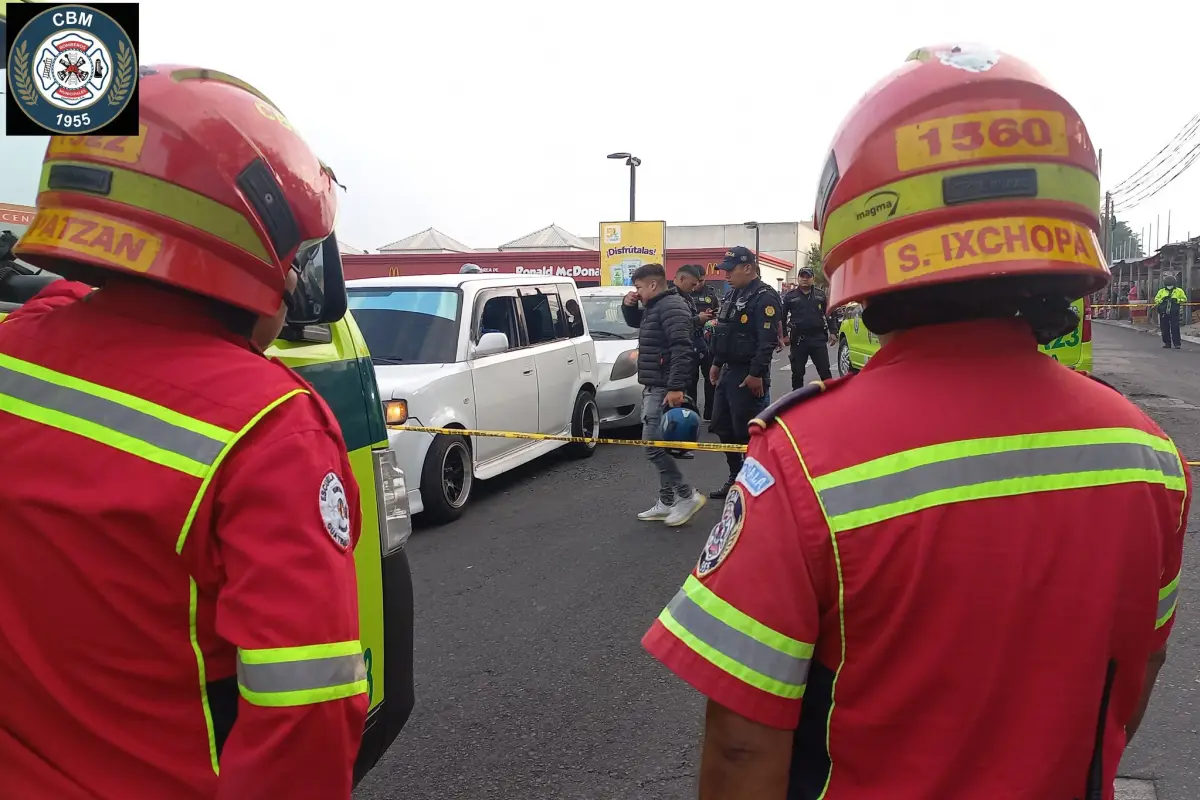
970 137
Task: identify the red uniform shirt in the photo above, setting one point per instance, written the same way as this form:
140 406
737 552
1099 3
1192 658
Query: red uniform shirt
127 669
926 571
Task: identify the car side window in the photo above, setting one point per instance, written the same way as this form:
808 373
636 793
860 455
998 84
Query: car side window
572 313
499 315
539 318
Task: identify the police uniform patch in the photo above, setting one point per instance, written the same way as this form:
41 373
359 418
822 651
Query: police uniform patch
769 311
724 534
745 318
335 509
755 477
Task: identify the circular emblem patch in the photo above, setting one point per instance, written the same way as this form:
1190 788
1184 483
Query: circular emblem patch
335 510
970 58
769 311
72 69
724 534
744 319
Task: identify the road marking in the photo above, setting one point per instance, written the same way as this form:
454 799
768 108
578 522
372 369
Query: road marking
1134 789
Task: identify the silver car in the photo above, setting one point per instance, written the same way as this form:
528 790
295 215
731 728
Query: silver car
619 395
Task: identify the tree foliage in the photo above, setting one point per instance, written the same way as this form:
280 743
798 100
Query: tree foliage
1125 243
812 260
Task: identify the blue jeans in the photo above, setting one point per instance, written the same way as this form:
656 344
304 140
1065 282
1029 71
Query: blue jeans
670 479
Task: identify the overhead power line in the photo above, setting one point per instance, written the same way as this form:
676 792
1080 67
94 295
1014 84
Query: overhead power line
1185 134
1161 182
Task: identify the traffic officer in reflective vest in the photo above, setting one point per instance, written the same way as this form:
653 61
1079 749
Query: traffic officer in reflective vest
743 344
1171 300
178 613
808 328
918 588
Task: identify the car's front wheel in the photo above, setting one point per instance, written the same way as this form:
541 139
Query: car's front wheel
843 358
585 421
446 479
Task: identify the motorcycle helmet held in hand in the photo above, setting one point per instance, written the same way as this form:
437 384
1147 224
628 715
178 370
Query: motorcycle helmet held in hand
681 424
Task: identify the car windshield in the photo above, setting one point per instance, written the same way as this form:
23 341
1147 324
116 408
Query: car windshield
604 317
407 326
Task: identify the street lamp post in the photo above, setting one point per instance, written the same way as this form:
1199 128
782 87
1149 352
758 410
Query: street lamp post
754 226
633 162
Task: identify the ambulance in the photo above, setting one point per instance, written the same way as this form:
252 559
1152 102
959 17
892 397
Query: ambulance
856 344
332 356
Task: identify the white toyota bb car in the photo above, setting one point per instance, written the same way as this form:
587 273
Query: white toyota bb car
476 352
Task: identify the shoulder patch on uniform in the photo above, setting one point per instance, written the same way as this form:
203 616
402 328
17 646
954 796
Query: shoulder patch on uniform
794 398
724 534
769 311
335 509
755 477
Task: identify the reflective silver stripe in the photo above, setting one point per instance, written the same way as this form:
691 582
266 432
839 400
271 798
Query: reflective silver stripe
111 415
743 649
972 470
300 676
1166 604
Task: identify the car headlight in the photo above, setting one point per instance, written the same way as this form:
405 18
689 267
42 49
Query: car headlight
624 366
395 412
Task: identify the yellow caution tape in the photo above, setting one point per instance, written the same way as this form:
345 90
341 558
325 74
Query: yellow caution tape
711 447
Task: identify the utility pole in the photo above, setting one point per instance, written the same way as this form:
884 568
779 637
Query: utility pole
1108 227
1168 226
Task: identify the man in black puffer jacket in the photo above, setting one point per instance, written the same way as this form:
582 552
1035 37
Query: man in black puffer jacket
666 365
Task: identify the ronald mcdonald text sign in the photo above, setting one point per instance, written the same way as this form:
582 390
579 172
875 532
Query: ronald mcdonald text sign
625 246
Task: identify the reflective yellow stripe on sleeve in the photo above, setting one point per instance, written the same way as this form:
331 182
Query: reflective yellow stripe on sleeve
978 469
1168 599
297 676
121 421
736 643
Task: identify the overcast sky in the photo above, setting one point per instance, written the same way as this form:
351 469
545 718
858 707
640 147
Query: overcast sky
490 120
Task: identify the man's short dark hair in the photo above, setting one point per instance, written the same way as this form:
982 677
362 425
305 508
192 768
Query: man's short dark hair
649 272
695 270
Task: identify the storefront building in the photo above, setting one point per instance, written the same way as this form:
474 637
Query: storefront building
582 265
15 218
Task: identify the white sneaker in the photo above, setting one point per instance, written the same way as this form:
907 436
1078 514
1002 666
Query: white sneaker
685 508
660 511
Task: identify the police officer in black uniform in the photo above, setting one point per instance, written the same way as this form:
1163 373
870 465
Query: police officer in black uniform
809 329
743 343
705 303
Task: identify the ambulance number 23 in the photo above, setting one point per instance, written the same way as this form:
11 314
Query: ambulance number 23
1070 340
971 135
74 120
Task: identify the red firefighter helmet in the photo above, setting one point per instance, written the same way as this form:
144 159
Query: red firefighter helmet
962 164
217 194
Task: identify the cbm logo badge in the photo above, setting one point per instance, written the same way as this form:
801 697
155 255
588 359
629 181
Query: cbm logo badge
72 69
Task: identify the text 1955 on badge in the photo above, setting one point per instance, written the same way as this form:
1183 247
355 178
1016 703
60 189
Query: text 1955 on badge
72 69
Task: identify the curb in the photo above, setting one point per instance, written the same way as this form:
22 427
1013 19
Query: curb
1133 789
1121 324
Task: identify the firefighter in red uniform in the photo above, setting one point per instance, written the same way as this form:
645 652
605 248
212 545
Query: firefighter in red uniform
933 579
178 613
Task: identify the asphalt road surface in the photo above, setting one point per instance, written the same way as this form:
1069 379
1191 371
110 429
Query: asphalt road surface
532 684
